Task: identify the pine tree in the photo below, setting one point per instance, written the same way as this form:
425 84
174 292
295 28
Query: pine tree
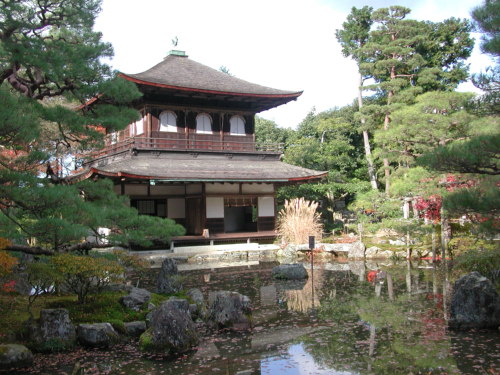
406 58
476 157
50 67
352 38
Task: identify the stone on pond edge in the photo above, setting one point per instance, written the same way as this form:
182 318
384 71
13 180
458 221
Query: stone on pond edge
53 332
15 356
230 310
290 272
171 329
475 303
97 335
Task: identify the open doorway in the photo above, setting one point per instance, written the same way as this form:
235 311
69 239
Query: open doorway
240 215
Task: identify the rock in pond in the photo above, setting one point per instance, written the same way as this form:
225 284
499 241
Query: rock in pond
97 335
200 311
53 332
289 251
171 329
475 303
168 281
357 251
290 272
13 356
136 299
230 310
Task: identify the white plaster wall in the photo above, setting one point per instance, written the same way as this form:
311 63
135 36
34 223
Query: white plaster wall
176 208
218 188
265 206
136 190
256 188
117 189
215 207
193 189
167 190
140 126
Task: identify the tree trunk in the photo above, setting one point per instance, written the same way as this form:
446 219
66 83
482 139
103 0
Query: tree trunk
445 233
433 241
390 287
368 152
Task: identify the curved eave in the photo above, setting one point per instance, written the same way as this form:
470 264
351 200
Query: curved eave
291 96
282 181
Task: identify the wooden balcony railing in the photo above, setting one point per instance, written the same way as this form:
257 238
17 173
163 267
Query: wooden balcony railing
177 141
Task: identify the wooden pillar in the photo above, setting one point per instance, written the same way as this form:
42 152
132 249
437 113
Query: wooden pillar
221 115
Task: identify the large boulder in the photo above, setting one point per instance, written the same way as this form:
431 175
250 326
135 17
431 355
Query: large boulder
337 247
230 310
200 311
97 335
168 281
14 356
136 299
290 272
475 303
53 332
357 251
171 329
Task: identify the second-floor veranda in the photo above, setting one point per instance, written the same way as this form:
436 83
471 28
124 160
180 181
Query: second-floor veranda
171 141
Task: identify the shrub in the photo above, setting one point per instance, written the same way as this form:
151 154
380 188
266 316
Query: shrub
42 277
298 220
486 262
128 260
86 276
7 262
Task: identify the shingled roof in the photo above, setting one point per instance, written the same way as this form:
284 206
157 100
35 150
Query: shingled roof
178 72
208 170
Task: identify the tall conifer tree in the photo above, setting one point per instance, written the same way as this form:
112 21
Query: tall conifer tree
352 38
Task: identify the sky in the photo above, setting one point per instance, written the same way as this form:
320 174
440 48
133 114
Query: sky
283 44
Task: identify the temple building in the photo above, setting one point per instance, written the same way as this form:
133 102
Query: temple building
192 156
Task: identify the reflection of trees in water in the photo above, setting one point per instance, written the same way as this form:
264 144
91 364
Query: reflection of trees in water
307 298
388 330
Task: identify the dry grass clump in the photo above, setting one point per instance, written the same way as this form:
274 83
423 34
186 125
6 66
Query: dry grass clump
299 220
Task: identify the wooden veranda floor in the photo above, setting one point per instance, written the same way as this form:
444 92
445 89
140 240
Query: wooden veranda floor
222 238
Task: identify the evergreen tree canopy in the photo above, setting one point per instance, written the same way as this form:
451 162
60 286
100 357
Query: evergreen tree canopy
476 156
328 141
407 58
353 37
487 21
50 67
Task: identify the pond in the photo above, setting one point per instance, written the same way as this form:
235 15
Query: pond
336 322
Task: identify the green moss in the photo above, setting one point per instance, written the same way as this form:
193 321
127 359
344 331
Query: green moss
157 299
118 325
105 308
145 342
52 346
280 276
3 350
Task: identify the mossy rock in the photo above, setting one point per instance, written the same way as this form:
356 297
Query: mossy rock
118 325
145 342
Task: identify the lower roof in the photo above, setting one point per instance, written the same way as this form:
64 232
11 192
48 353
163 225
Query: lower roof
202 170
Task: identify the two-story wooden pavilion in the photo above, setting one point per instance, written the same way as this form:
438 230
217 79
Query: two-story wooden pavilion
192 157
